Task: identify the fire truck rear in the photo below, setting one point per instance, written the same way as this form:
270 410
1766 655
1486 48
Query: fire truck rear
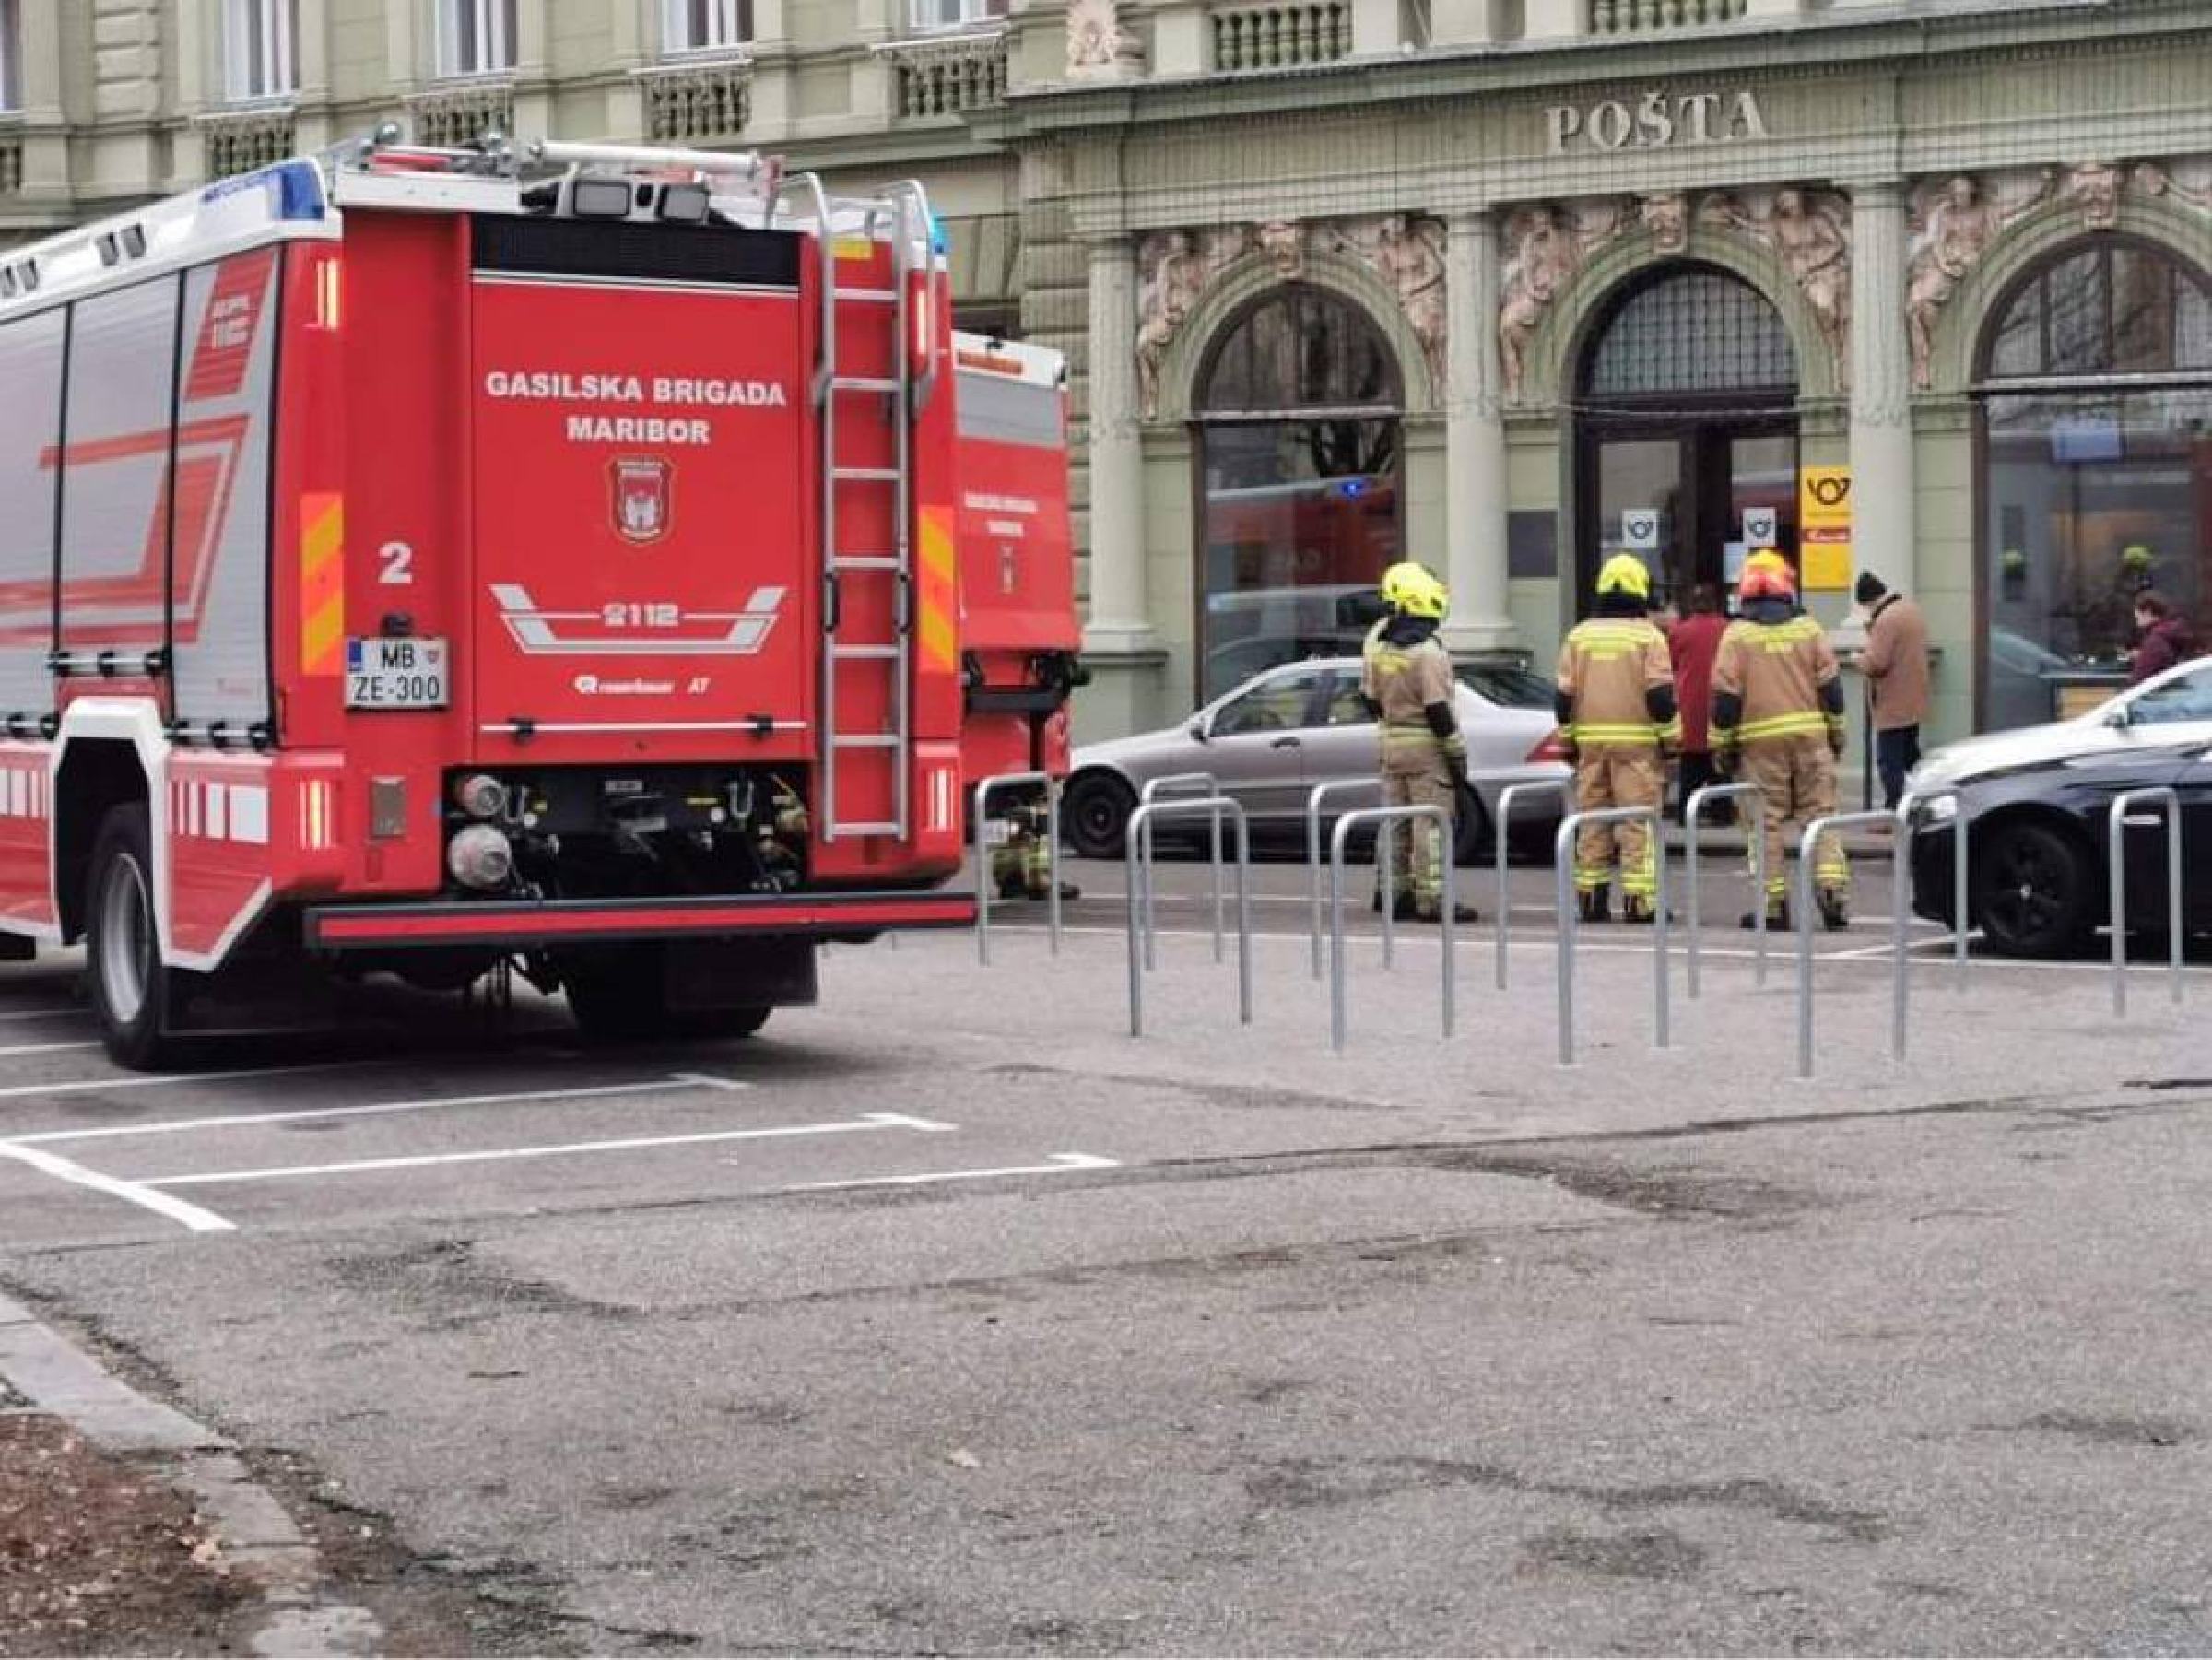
1019 627
446 563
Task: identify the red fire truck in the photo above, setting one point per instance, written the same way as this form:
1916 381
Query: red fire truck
452 563
1019 627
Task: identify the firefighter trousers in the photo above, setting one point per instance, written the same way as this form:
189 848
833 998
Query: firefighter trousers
1413 775
1796 776
1613 775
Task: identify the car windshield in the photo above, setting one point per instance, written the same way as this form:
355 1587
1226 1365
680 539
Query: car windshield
1507 687
2186 698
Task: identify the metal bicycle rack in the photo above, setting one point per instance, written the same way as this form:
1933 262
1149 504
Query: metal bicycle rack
1899 903
1561 787
2115 835
1137 853
1207 786
1570 918
1314 798
1693 813
1386 819
983 885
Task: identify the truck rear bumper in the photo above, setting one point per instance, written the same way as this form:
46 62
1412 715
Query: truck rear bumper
525 922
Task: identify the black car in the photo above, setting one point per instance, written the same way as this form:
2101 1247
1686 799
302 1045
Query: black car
2037 848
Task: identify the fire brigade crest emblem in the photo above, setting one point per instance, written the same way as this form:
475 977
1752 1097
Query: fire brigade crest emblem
645 498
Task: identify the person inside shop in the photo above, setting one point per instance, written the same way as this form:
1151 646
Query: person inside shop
2162 637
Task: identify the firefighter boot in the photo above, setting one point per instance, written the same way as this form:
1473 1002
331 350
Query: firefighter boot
1460 914
1596 905
1638 912
1778 917
1401 905
1835 910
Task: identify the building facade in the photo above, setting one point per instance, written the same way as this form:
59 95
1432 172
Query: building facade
1920 287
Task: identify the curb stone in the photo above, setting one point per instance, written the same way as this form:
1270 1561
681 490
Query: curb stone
261 1541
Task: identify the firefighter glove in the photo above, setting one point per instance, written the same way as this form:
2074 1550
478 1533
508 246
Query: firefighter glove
1724 761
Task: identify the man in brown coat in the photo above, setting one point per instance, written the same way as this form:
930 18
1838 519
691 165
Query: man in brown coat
1895 664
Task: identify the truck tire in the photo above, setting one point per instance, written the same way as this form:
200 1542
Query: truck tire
617 998
131 990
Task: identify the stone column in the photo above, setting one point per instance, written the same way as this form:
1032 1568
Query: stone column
1881 385
1475 487
1119 617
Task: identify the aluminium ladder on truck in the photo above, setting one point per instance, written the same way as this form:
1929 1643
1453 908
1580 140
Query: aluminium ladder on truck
867 484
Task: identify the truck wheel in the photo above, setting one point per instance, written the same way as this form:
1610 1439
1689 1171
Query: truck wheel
617 998
130 987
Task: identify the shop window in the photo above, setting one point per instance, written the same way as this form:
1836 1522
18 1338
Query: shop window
2096 409
1299 484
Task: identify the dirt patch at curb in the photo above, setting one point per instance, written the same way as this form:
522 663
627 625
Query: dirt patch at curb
100 1557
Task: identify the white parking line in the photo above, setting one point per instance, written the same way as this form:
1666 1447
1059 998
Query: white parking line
1056 1164
680 1080
138 1193
48 1048
66 1012
867 1121
171 1079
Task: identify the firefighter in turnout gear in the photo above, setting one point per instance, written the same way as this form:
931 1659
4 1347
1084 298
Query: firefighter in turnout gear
1021 865
1778 722
1616 705
1407 680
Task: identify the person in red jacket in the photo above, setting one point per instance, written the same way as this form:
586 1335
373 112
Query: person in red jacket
2162 639
1693 642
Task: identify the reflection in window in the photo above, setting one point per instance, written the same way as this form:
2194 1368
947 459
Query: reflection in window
477 37
2095 491
1300 470
1277 704
258 50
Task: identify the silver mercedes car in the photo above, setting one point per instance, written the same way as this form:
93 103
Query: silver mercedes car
1273 738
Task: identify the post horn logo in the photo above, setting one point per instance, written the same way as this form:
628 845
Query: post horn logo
643 496
1830 489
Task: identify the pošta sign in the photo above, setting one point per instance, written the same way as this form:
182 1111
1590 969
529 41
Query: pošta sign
1657 120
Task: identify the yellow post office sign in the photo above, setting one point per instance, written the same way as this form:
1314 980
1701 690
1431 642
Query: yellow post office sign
1824 528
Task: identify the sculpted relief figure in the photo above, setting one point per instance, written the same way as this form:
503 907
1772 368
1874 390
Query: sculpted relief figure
1954 224
1408 255
1545 247
1667 218
1284 246
1172 275
1813 237
1096 46
2154 180
2094 186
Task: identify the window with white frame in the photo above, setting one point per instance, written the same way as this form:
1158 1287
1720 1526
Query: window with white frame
925 15
258 59
11 96
476 37
706 25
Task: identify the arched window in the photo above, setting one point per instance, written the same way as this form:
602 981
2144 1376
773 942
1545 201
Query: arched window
2095 395
1686 430
1299 476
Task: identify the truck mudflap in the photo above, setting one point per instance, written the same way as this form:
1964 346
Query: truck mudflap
525 922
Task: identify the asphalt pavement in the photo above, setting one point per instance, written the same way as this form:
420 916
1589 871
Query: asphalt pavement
949 1317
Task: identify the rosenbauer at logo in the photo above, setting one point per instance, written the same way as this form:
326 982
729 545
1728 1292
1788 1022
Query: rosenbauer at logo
642 490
